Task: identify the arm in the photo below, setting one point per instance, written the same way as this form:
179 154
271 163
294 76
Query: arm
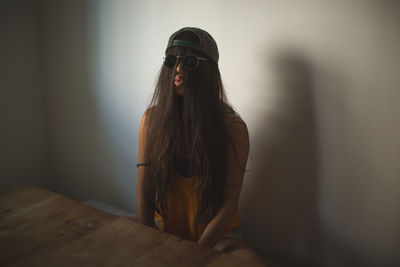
233 184
144 209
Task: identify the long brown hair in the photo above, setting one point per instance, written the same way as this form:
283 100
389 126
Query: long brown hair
190 126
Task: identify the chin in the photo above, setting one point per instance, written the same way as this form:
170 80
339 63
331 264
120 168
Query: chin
179 91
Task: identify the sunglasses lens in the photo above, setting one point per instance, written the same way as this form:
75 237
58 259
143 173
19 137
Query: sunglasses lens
190 61
169 61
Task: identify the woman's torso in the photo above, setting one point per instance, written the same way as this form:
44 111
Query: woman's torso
182 200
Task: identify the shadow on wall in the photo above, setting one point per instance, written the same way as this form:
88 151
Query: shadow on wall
279 210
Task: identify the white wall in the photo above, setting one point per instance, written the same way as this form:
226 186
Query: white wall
317 84
23 149
93 102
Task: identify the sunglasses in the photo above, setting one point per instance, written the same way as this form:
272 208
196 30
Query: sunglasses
189 61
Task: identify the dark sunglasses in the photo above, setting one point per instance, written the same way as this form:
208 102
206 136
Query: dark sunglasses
189 61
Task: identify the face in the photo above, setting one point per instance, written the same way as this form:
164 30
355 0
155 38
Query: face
178 80
180 72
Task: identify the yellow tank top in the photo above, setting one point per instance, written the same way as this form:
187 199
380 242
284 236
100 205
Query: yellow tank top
181 210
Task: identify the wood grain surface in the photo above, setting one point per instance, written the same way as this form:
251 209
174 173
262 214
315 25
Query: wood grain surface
41 228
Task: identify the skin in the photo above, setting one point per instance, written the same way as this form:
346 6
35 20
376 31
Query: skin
212 235
179 81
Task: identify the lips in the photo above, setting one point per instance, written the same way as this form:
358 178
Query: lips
178 80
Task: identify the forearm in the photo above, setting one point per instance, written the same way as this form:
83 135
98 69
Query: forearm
216 227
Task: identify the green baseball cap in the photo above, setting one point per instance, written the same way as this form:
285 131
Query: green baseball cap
207 44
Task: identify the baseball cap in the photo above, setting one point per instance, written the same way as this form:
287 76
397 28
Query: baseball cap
207 44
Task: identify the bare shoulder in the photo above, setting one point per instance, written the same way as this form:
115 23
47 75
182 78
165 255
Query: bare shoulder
143 122
237 148
236 127
231 116
147 113
145 117
144 126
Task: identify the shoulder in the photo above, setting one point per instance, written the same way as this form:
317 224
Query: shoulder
237 148
235 125
144 123
231 116
146 115
148 112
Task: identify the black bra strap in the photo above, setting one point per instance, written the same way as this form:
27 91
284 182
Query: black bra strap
141 164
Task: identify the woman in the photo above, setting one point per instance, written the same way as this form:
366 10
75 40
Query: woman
193 150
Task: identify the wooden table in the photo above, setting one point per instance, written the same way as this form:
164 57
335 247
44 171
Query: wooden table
41 228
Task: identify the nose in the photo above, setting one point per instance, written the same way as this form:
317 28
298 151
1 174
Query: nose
179 67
